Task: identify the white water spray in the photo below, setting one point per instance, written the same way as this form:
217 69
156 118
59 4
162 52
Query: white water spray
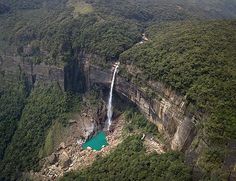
109 106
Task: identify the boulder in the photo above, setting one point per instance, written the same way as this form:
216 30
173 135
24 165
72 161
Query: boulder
89 148
64 160
62 146
72 121
52 159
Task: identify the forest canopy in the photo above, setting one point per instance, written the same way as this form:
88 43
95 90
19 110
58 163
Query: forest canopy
197 59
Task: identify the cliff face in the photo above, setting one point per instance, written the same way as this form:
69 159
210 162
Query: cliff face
74 76
168 111
13 66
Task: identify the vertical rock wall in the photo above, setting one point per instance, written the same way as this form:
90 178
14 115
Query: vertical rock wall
168 111
13 66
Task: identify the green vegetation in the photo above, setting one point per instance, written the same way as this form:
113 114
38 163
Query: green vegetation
12 101
198 60
129 162
54 138
150 11
108 38
43 108
81 7
53 35
136 121
49 30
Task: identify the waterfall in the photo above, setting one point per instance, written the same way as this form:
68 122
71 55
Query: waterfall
109 106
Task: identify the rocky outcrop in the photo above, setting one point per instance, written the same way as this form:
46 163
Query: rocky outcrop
52 159
65 160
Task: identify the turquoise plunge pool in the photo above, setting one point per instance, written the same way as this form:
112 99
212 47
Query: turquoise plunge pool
96 142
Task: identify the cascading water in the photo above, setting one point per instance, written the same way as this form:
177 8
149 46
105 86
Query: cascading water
109 106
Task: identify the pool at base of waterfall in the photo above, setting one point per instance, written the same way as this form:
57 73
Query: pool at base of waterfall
97 142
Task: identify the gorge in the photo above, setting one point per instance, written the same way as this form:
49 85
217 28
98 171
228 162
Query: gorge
157 76
169 111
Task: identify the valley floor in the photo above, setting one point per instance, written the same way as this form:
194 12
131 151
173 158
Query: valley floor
72 157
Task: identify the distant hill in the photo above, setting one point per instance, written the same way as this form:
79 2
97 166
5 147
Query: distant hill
167 10
215 8
34 21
